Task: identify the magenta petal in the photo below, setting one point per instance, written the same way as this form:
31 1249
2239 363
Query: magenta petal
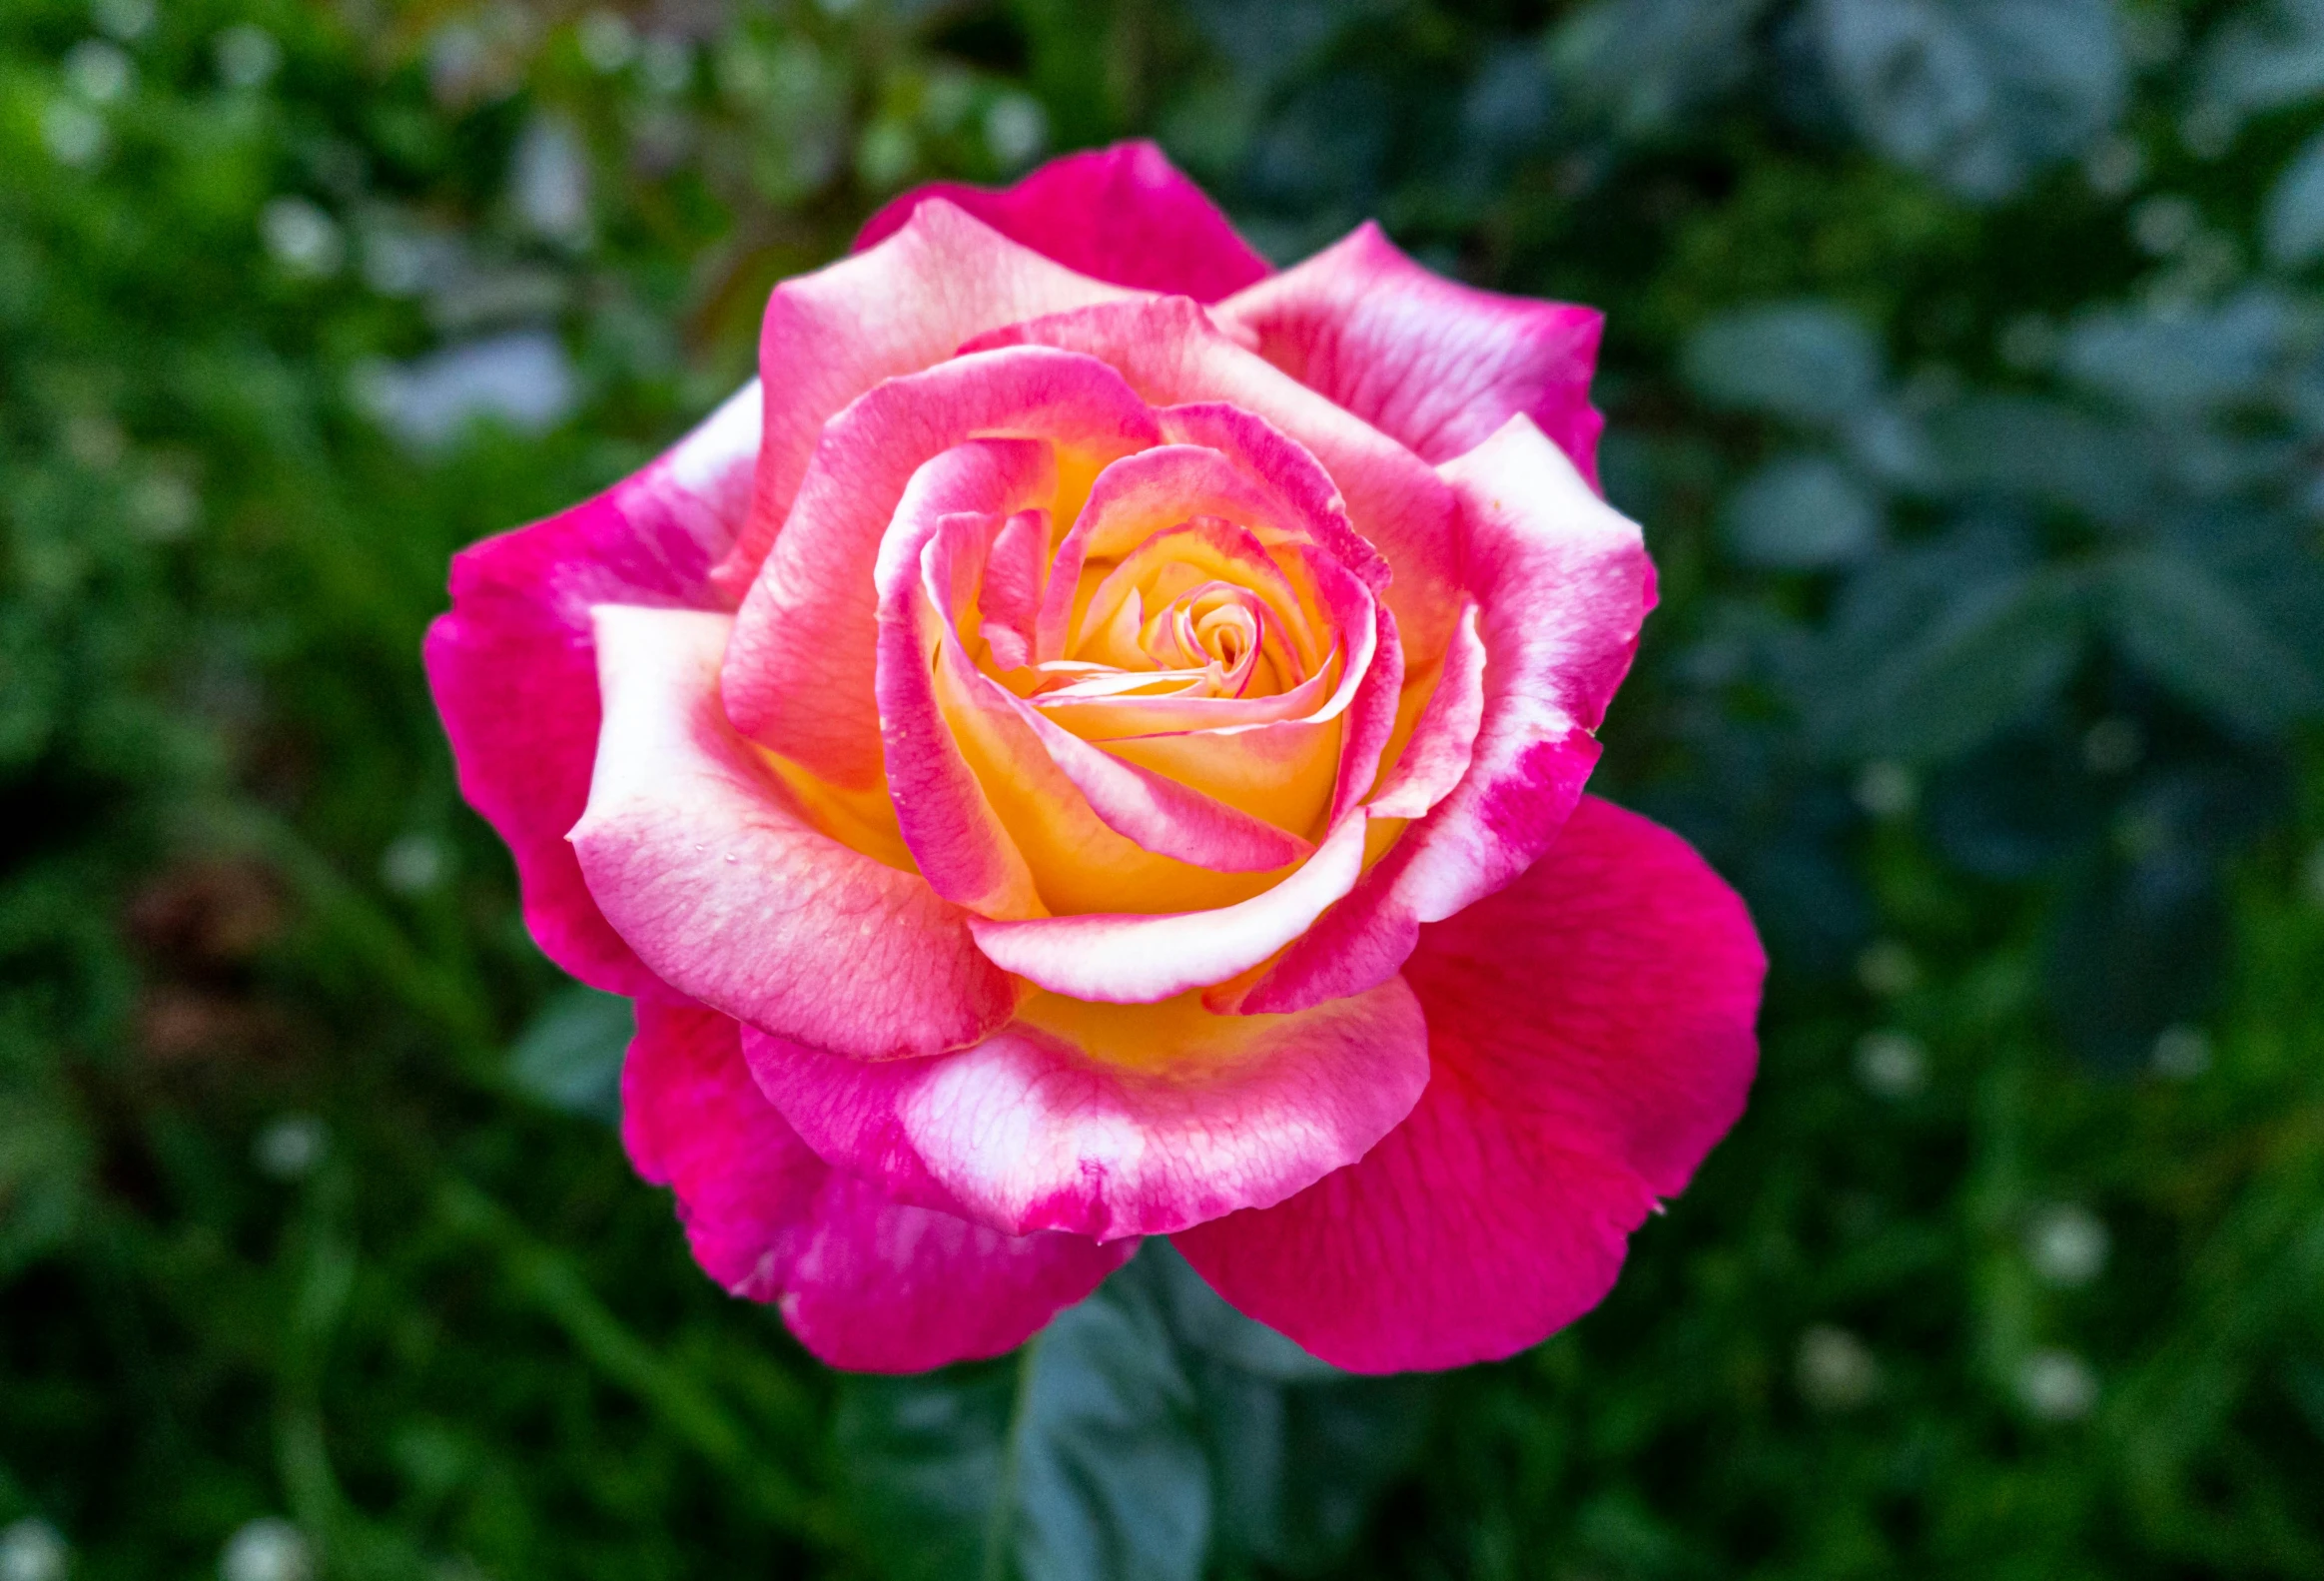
1562 584
514 670
954 505
1435 364
1591 1032
1196 1116
865 1283
1174 357
799 680
1122 215
904 306
698 855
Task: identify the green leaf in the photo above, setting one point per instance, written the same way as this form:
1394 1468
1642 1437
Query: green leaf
1802 513
2185 360
2292 223
1805 361
1151 1426
1078 1458
1639 66
569 1058
1976 93
1936 654
2016 446
2196 635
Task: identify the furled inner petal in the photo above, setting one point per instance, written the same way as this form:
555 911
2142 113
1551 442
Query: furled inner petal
1128 692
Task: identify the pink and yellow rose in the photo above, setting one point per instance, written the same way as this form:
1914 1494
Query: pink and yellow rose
1091 745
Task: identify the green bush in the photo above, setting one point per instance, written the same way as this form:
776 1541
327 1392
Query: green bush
1966 366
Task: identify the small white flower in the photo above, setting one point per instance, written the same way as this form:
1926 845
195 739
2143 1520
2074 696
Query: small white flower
2067 1246
267 1549
1887 789
1015 129
667 65
97 71
1891 1064
291 1146
73 133
246 56
163 508
127 20
2182 1053
1834 1370
549 182
608 43
304 239
33 1550
415 863
2058 1385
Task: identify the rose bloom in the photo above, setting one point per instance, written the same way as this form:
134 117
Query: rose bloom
1091 745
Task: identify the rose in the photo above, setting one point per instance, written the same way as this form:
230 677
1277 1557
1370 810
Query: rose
1091 745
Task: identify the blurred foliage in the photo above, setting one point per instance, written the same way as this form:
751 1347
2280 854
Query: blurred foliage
1965 363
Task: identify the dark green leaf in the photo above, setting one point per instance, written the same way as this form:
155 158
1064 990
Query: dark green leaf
1936 654
2193 633
1976 93
1802 513
1808 362
1079 1458
2293 225
1636 66
2022 445
2169 364
570 1057
1150 1425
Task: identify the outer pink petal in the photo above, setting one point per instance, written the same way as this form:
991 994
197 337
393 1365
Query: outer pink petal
1562 584
1174 355
865 1283
1591 1031
906 304
1130 959
799 679
731 896
1122 214
1437 364
514 670
1027 1132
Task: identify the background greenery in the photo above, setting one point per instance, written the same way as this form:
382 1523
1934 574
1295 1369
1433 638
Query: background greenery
1965 364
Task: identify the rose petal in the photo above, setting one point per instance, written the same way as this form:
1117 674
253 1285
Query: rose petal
865 1283
1128 959
701 859
513 666
1562 583
1435 757
958 843
1174 355
1435 364
1122 214
1156 812
943 278
799 679
1591 1032
1110 1123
